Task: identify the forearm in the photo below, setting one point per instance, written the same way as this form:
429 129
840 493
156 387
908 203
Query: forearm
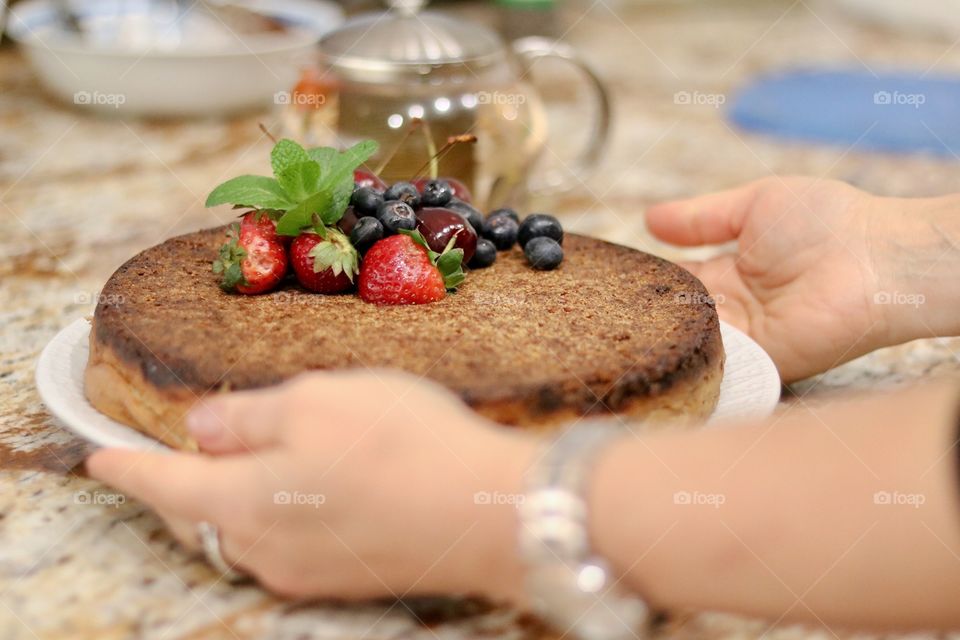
787 525
916 249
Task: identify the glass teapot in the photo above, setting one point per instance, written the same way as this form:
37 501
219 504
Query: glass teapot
411 79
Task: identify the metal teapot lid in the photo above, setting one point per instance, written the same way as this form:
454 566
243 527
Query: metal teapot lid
378 46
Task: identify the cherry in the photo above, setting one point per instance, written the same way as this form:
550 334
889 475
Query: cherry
459 189
438 225
364 178
349 219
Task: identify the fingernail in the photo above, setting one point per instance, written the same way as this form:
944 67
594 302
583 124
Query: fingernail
203 422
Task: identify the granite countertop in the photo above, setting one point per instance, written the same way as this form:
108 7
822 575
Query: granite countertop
79 194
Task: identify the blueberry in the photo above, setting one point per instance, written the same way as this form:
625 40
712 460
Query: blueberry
474 217
539 225
404 192
485 255
501 230
505 211
543 253
366 232
436 193
395 215
366 200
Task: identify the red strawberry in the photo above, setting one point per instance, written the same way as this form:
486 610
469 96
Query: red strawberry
253 260
324 263
401 269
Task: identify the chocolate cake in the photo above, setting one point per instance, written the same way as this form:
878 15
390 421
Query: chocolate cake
613 330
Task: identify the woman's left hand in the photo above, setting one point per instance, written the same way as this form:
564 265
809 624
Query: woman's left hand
348 485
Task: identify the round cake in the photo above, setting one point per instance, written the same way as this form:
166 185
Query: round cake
613 330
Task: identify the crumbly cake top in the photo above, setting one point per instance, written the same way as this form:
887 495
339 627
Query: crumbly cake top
610 320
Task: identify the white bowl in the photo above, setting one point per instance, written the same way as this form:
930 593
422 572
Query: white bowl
176 69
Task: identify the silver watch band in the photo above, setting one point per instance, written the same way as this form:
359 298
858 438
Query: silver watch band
571 588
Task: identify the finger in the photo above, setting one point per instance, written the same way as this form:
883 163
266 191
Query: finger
237 422
187 485
708 219
185 531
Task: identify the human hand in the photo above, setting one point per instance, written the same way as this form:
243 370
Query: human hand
803 278
348 485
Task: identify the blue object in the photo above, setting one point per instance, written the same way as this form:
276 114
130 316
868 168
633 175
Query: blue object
898 112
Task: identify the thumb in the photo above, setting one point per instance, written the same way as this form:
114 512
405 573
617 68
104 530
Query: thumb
237 422
707 219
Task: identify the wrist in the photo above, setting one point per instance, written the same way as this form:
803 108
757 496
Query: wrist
915 246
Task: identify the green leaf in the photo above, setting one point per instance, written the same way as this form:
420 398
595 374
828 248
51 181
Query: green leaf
332 195
300 179
259 192
335 253
285 154
229 262
449 263
324 156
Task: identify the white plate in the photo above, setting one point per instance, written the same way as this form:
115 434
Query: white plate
750 386
153 80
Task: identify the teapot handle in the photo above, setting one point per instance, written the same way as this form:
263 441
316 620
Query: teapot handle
531 49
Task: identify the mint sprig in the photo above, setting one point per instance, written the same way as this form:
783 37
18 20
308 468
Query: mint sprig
449 262
307 183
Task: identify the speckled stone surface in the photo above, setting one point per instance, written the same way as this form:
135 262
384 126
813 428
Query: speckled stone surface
79 194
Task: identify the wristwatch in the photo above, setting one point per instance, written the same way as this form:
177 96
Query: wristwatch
570 587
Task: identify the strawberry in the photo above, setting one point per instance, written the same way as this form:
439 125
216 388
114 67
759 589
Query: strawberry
402 269
325 262
253 260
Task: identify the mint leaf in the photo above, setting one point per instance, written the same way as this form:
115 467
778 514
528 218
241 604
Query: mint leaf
324 156
259 192
285 154
300 179
332 194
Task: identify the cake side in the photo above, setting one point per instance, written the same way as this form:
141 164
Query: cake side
612 330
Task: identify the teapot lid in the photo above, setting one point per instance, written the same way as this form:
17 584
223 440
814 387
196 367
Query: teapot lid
405 38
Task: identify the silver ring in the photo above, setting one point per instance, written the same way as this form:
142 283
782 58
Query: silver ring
210 543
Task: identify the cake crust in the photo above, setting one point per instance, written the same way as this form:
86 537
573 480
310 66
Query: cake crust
613 330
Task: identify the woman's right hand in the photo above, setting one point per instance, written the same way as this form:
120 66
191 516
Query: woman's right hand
822 272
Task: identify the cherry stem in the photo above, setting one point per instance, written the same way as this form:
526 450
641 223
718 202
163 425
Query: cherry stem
414 125
266 132
434 160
